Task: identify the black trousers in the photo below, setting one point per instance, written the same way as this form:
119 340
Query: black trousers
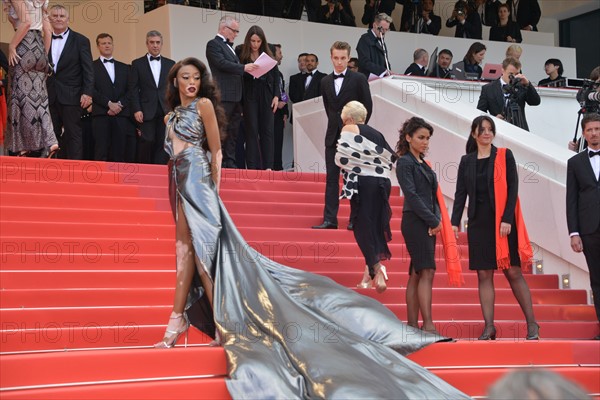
332 186
591 250
233 113
150 144
114 138
278 127
66 120
258 125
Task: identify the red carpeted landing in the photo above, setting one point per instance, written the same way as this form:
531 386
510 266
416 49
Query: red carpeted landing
87 265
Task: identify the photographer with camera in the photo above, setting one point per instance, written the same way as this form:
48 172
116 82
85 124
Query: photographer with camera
588 98
506 97
466 19
337 12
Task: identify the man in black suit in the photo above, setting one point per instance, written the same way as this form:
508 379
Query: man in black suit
442 67
583 202
526 13
296 89
281 115
112 128
339 88
488 11
312 78
147 88
372 50
496 99
227 72
419 66
427 23
71 84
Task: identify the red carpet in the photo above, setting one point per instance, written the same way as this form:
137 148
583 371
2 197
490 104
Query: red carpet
87 264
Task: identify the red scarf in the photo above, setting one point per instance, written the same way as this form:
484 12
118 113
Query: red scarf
451 251
501 195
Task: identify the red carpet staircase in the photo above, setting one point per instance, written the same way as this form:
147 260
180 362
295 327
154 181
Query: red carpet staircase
87 271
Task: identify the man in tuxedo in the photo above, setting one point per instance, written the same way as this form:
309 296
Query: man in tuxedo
526 13
281 115
296 89
147 88
71 84
442 68
227 72
312 78
496 100
339 88
112 127
427 23
583 202
419 66
372 50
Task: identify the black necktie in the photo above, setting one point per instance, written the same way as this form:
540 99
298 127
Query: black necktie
154 58
423 70
338 76
594 153
106 60
57 36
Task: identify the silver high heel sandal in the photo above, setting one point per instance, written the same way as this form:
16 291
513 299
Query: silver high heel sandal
379 280
366 280
171 336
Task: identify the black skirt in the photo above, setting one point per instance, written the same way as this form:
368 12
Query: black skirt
420 246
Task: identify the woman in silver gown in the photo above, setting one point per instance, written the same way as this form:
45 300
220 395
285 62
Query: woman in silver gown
287 333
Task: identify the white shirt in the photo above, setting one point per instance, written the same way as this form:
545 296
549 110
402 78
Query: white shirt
595 161
58 46
309 78
155 67
110 68
337 83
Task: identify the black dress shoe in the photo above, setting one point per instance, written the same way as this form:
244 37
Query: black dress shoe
326 225
350 226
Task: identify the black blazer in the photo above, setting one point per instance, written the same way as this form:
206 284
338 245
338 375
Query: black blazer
226 69
583 195
433 28
105 90
438 72
74 74
314 88
296 89
471 29
492 100
419 190
251 85
371 57
414 70
144 95
528 13
466 186
354 87
490 13
500 33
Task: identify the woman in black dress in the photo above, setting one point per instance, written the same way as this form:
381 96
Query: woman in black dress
421 218
259 102
366 160
505 30
477 179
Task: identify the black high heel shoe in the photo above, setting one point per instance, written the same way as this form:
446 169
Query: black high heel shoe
533 331
489 333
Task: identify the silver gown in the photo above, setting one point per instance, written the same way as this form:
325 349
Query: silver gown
287 333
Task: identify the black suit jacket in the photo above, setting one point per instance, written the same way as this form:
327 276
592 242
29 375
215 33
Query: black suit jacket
74 74
314 88
490 13
492 99
414 69
500 33
105 90
583 195
226 69
371 57
419 190
439 73
466 186
528 13
296 89
431 29
144 95
354 87
471 29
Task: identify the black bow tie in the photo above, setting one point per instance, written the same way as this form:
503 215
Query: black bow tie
57 36
594 153
154 58
228 43
106 60
309 74
338 76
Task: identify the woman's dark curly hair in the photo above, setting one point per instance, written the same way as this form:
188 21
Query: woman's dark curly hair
208 89
477 126
409 128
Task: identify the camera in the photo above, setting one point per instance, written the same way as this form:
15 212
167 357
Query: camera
513 86
587 105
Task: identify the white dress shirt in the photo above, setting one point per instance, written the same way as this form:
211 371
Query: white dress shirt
595 161
155 67
337 83
110 68
58 46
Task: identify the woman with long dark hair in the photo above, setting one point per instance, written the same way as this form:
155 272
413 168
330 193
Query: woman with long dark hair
473 59
260 102
496 232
